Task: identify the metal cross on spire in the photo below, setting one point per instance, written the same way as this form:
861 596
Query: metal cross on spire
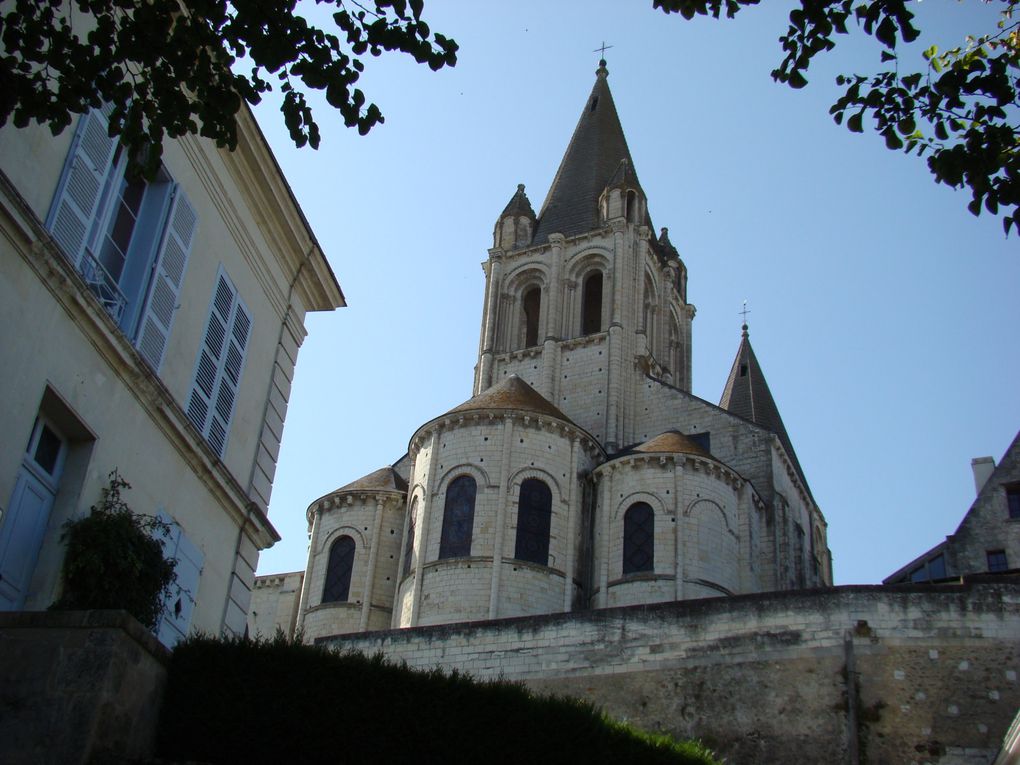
602 50
744 314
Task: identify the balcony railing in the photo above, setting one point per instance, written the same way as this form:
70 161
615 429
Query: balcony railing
103 285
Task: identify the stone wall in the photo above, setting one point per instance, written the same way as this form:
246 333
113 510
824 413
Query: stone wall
921 673
77 685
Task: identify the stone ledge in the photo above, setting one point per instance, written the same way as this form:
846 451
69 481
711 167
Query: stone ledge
122 620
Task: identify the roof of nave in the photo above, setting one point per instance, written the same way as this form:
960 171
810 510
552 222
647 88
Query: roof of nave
591 161
673 442
747 395
383 479
512 393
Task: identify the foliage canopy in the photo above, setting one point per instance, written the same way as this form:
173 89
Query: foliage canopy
962 111
114 561
171 68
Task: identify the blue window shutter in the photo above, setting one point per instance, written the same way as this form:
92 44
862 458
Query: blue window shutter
220 363
81 185
179 604
168 273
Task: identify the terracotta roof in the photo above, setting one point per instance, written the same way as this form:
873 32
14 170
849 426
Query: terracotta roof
383 479
519 204
512 393
673 442
747 395
589 164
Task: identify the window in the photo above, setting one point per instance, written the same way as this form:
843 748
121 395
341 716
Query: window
534 515
638 539
218 369
179 604
937 567
996 561
591 304
1013 501
409 542
338 571
531 306
458 518
129 238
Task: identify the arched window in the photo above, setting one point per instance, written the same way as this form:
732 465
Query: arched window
638 538
458 518
591 304
631 211
409 542
338 571
534 514
531 307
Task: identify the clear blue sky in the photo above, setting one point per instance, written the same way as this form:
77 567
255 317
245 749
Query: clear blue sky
882 312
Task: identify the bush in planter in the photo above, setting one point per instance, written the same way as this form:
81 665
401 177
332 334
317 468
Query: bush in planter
114 559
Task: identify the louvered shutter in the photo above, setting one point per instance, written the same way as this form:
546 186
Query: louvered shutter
81 185
168 273
220 362
179 604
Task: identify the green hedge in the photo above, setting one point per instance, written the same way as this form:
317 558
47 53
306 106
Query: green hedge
274 702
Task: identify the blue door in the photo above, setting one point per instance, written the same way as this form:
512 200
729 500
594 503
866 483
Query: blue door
24 522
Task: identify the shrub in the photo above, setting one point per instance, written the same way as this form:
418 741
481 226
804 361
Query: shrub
275 701
114 559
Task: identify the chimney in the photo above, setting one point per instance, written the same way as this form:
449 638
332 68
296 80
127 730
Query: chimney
982 467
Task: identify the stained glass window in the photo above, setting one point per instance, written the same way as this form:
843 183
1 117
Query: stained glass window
534 514
338 571
638 539
458 518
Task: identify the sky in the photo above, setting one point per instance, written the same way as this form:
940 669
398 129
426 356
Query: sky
882 312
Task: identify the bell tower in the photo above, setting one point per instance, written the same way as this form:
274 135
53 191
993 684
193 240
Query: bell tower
582 301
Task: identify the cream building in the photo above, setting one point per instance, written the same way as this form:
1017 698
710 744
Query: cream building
152 328
583 473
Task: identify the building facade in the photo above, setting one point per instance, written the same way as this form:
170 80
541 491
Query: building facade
988 538
149 327
582 473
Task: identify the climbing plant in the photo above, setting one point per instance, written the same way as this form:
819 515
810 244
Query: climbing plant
114 559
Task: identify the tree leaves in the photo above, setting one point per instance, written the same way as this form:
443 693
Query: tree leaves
169 69
962 112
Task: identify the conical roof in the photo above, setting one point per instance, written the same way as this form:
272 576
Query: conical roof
512 393
519 205
747 395
384 479
673 442
590 162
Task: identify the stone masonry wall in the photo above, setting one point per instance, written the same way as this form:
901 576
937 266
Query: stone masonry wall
77 687
913 674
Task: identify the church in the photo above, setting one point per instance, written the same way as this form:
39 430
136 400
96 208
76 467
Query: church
587 526
583 473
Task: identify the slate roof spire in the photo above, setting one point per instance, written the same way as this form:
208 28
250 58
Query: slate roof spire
593 157
747 395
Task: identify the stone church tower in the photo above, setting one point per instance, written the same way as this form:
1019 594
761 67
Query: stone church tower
583 473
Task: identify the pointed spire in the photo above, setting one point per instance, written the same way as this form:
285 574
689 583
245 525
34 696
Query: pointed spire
519 204
592 158
665 246
747 395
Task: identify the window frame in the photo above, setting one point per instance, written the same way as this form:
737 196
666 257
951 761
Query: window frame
534 522
453 541
336 582
634 524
